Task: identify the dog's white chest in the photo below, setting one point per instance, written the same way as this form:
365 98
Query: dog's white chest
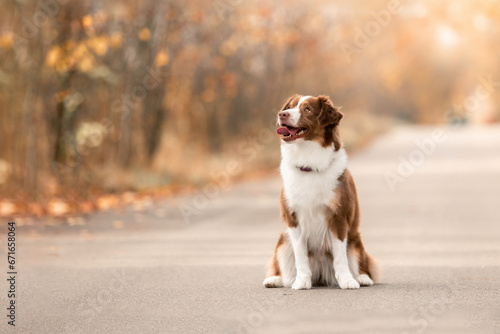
314 188
307 190
308 194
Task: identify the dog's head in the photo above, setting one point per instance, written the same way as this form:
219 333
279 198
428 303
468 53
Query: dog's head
309 118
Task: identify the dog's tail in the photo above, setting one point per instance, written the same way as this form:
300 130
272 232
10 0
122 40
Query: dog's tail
373 268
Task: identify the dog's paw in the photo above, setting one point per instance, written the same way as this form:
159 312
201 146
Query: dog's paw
364 280
347 282
273 282
302 284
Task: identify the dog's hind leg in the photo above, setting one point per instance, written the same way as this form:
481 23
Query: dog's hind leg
273 282
358 264
281 272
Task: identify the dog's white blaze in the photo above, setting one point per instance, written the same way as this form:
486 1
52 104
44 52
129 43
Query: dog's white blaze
295 112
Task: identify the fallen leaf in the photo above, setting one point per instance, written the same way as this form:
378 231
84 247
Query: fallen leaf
57 208
7 208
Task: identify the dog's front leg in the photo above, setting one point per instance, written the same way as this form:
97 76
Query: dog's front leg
299 244
341 266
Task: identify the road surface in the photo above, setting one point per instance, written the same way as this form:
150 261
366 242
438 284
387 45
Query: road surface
435 231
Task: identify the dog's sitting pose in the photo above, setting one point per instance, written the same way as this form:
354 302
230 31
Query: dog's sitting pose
321 245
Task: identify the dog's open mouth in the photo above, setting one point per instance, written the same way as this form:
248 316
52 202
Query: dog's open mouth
289 133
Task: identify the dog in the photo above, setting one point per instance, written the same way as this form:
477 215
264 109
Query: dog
321 245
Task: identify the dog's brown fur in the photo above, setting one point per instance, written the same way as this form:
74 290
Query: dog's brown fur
343 214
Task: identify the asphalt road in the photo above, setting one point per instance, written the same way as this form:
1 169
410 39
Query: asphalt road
436 234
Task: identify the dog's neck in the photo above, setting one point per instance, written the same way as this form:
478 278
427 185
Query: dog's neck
311 156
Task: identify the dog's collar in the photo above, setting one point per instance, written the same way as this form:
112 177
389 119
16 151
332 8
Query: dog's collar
308 169
305 169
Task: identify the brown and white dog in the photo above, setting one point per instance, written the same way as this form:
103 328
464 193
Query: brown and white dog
321 245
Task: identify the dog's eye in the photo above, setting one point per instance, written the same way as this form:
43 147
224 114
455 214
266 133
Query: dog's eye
308 110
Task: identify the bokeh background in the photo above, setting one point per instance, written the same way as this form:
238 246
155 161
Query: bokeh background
102 101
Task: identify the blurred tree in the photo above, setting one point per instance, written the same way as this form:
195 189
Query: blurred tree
97 93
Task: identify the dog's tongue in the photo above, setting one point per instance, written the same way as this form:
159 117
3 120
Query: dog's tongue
285 132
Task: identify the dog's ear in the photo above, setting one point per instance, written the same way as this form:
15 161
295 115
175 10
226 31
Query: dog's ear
329 115
287 104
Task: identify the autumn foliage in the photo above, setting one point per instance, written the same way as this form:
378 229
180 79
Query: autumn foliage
99 99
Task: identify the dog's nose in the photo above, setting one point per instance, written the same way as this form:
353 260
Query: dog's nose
284 114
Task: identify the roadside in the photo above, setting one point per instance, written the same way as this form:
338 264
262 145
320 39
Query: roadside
435 234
